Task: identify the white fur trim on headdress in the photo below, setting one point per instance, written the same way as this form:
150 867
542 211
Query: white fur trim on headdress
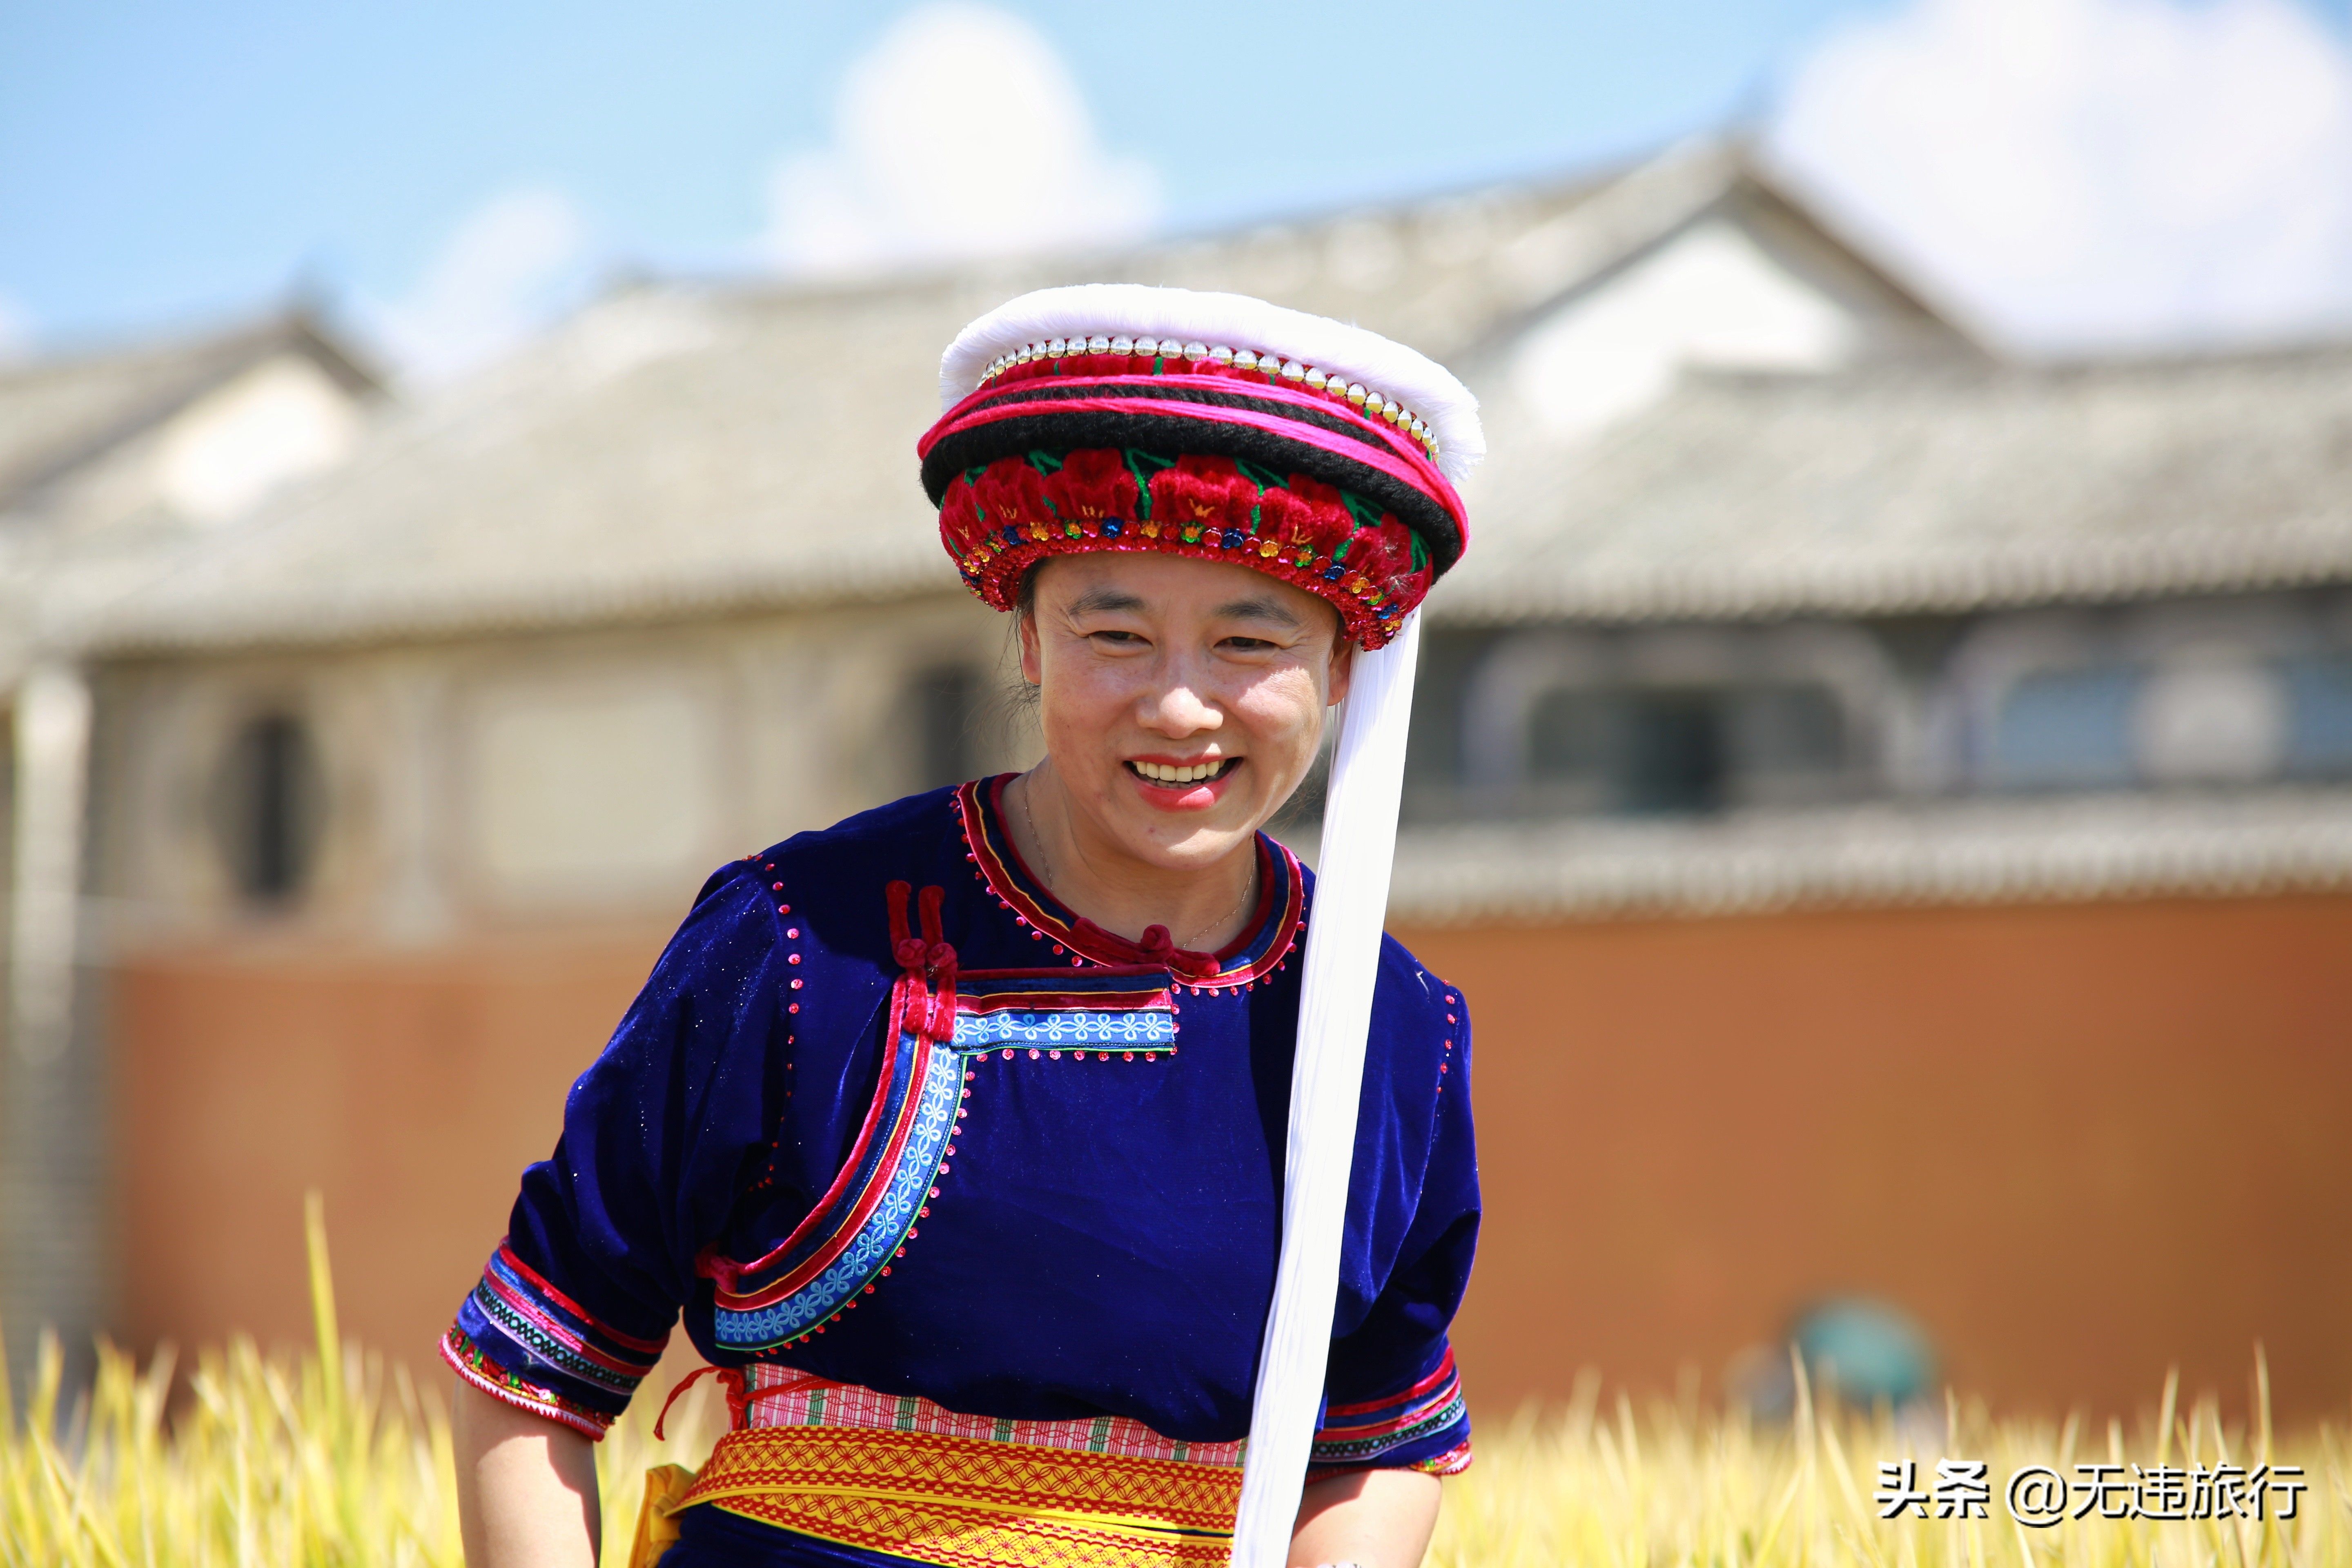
1233 321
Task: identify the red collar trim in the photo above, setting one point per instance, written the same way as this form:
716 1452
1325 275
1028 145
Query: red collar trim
1256 952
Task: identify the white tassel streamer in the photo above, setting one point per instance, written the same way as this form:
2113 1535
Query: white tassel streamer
1335 1015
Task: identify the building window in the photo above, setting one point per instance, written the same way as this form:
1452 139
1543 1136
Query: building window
268 808
1572 747
1675 756
1792 734
2067 728
2212 716
2194 717
1669 750
2319 709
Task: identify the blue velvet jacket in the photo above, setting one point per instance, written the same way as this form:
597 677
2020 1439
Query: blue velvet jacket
887 1113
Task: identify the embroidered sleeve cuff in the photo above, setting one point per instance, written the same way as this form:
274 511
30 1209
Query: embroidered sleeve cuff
520 1340
1423 1427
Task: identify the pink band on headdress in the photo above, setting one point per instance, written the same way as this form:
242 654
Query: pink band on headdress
1397 456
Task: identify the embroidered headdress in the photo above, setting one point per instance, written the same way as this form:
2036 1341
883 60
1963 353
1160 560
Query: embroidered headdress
1117 417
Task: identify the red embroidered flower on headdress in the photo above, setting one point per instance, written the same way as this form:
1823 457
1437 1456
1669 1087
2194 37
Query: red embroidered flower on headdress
1096 484
1200 497
1382 557
1299 518
1012 494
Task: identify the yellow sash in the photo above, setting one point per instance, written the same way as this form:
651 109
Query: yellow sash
956 1502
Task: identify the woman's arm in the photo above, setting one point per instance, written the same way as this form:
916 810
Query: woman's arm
1380 1518
526 1488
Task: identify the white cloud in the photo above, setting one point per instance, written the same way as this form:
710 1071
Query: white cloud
513 265
16 333
2094 172
961 133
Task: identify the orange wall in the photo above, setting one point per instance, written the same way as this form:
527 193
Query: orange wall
2078 1143
411 1090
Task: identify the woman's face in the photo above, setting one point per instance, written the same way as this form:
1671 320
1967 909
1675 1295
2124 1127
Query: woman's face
1182 701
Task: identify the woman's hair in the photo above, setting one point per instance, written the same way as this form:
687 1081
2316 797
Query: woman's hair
1025 597
1020 696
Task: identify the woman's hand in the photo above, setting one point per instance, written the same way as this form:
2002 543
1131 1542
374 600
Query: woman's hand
1378 1518
526 1488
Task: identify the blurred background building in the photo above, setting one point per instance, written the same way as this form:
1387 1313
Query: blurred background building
1887 798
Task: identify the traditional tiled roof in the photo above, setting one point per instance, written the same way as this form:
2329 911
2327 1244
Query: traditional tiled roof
78 528
58 413
1981 851
671 452
1920 487
678 451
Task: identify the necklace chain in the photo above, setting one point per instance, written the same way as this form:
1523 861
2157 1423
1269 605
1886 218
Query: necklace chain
1046 865
1249 886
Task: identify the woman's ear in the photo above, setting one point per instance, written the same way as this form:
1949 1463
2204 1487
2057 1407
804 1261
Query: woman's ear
1025 628
1343 670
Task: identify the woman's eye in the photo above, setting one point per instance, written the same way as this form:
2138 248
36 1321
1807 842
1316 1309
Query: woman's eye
1122 639
1248 645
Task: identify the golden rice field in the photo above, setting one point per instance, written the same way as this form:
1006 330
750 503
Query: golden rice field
324 1459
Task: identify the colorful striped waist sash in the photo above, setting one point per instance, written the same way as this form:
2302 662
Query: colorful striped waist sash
902 1476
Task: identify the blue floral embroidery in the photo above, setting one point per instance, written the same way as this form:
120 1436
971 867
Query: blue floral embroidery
1133 1029
877 1240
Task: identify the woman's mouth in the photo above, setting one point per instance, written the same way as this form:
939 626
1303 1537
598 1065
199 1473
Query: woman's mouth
1183 772
1183 786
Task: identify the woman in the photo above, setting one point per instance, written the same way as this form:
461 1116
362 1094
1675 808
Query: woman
957 1130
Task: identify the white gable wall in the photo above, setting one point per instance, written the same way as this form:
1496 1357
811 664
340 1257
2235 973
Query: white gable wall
281 420
1711 298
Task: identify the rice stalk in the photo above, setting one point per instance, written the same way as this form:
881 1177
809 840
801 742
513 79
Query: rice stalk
1728 1491
325 1458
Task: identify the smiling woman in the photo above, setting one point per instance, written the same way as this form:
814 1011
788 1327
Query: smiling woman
964 1131
1182 702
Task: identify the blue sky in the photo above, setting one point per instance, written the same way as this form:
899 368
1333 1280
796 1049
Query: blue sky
162 164
162 159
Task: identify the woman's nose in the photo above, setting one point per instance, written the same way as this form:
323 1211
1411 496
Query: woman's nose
1179 709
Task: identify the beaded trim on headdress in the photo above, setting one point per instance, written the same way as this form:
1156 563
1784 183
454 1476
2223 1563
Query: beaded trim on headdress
1086 439
1177 357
